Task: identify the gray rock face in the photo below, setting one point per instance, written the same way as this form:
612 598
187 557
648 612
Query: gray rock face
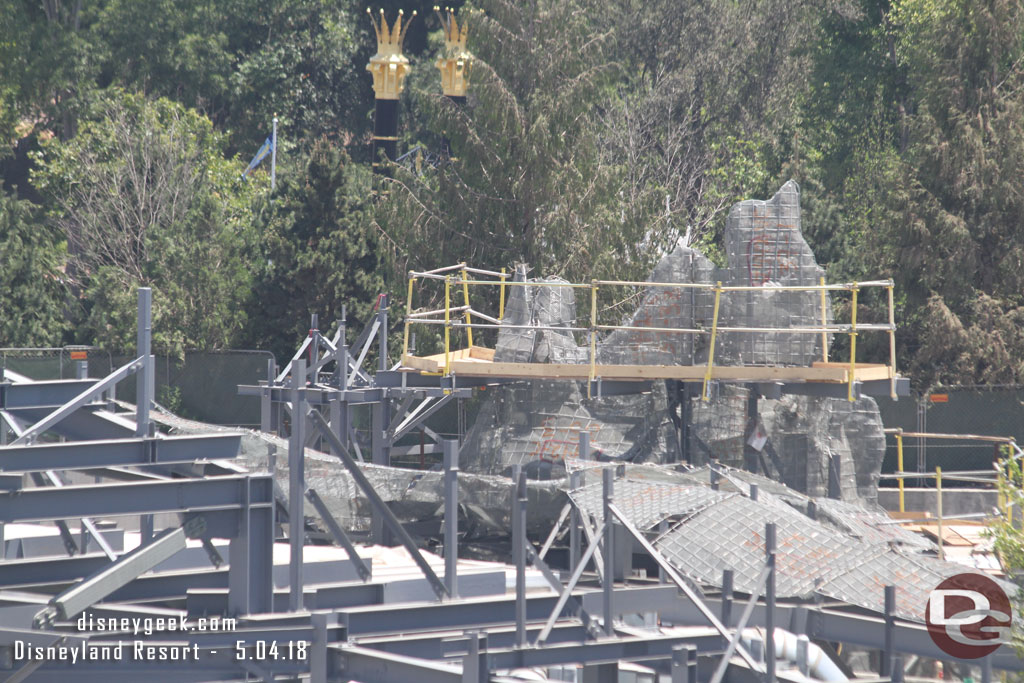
766 249
538 306
681 308
811 434
538 425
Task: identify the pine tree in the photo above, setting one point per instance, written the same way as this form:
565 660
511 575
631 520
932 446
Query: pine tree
32 287
958 244
318 251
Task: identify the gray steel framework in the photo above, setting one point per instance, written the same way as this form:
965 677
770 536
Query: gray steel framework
466 628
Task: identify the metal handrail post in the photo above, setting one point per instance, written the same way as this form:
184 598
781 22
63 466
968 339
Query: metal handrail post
469 320
853 345
704 395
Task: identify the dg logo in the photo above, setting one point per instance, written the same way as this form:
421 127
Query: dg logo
968 616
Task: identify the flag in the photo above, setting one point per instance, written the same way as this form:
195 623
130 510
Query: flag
267 148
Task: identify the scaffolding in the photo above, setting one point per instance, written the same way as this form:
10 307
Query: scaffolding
477 361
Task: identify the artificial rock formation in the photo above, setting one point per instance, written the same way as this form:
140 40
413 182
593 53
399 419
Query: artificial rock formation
817 445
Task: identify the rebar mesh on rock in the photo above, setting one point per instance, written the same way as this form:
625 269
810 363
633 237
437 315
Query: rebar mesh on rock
766 249
538 426
538 307
667 307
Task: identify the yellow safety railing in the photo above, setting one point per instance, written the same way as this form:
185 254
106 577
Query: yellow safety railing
465 295
704 394
461 274
973 476
853 342
824 320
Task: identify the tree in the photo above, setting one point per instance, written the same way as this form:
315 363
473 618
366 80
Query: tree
240 62
955 244
146 198
704 106
527 182
32 288
1008 536
317 251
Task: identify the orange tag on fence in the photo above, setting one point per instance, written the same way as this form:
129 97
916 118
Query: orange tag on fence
79 355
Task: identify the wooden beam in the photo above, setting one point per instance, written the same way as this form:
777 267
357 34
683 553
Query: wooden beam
863 372
478 361
646 372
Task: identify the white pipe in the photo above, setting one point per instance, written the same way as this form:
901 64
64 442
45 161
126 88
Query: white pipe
819 664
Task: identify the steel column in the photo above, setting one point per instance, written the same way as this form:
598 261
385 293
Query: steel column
769 592
574 524
266 405
519 551
684 664
296 485
251 552
451 515
885 667
144 379
727 582
608 580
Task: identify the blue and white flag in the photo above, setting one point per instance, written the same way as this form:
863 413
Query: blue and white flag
267 148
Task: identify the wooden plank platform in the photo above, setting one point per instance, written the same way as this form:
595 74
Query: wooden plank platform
479 362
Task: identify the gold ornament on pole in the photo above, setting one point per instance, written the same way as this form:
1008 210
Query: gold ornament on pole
456 62
389 66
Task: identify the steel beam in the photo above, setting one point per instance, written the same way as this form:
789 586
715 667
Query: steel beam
108 500
42 394
698 602
363 664
462 614
84 397
338 534
378 503
419 416
91 422
71 602
566 592
76 455
220 664
627 649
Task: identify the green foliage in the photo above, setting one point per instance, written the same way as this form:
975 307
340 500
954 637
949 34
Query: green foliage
595 136
32 287
1007 534
528 183
147 199
241 61
317 251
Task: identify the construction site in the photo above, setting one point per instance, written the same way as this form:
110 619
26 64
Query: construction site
694 492
689 495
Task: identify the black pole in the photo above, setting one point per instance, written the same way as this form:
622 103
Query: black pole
385 134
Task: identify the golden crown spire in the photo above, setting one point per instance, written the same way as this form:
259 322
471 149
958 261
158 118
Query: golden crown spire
456 62
389 66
